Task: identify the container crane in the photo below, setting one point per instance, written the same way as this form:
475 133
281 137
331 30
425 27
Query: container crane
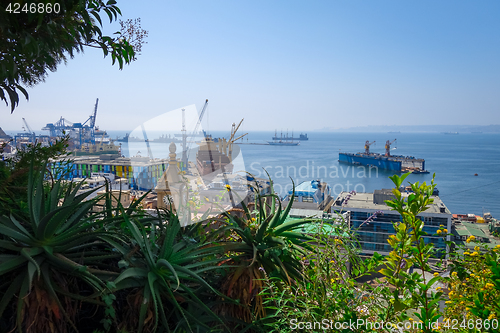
30 132
367 146
91 125
388 147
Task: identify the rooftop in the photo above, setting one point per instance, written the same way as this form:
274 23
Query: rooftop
375 201
480 231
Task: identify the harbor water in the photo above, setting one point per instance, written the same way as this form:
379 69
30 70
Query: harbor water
455 159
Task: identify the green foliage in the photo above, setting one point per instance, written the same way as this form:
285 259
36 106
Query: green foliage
43 254
14 175
35 42
64 258
328 291
411 290
169 270
259 243
474 287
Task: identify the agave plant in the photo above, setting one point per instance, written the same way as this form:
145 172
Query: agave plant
261 243
165 277
49 259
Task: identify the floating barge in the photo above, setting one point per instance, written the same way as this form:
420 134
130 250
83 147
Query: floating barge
390 162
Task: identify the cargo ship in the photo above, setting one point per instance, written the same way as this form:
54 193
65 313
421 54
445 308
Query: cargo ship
390 162
302 137
284 140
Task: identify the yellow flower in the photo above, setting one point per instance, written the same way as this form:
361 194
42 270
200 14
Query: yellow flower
253 219
228 187
491 316
470 239
338 241
466 253
448 302
477 248
498 246
436 274
445 231
439 232
474 254
454 274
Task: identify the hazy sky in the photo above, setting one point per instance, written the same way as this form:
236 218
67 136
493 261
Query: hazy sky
301 65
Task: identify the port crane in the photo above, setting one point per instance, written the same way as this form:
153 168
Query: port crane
231 140
78 132
388 147
91 125
185 153
367 146
30 132
150 153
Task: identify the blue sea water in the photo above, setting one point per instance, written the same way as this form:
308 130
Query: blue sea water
453 158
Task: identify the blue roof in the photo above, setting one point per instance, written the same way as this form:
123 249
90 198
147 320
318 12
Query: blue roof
307 188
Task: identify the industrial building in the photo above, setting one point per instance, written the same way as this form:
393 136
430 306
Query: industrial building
373 220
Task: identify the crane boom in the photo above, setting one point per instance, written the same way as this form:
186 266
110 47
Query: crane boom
27 126
198 123
150 153
31 133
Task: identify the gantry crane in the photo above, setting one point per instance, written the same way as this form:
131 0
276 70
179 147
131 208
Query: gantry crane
78 132
367 147
388 147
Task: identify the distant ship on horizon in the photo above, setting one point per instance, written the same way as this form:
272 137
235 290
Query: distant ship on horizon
302 137
285 140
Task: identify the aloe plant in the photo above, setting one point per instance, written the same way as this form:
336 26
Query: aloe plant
262 243
168 273
49 256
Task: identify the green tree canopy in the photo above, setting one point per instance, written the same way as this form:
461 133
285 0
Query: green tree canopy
36 36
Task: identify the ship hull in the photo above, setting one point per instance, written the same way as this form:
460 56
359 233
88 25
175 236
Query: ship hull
381 162
302 138
393 163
